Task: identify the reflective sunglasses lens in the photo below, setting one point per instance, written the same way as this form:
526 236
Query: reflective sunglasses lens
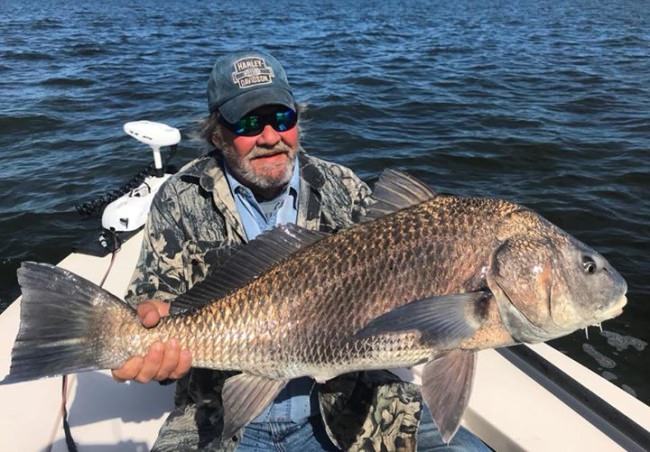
252 125
248 125
285 120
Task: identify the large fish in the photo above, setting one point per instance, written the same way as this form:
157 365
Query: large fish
425 279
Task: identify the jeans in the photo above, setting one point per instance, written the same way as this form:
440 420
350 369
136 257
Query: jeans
306 436
311 436
429 437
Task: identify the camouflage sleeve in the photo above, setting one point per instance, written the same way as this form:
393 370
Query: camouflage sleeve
358 197
159 272
360 194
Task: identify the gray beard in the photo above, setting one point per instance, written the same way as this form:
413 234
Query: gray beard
243 171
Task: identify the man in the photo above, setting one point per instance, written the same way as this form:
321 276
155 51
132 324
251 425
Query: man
256 178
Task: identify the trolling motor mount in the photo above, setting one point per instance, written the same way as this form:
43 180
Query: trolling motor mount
129 212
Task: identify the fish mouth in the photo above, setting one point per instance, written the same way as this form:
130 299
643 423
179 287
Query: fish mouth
614 311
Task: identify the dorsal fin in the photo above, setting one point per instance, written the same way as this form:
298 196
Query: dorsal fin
246 264
395 191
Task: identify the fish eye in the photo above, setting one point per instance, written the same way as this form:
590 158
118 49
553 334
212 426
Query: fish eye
589 265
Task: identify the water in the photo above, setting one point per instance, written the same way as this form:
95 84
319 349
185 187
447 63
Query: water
546 103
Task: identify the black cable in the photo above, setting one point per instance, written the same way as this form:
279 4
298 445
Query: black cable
93 206
89 208
69 440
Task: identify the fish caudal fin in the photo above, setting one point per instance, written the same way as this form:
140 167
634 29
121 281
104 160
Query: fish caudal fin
61 320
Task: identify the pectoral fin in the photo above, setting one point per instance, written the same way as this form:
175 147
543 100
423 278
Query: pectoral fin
244 397
446 387
443 319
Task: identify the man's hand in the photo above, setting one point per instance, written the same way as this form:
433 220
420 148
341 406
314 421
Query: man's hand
163 360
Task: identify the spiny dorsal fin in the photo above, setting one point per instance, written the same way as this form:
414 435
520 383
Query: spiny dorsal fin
246 264
395 191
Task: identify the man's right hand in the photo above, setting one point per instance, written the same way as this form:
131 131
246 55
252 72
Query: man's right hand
163 360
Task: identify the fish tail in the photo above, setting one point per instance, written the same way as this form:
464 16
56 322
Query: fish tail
65 324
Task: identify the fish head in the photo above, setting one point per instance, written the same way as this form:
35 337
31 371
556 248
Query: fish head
547 283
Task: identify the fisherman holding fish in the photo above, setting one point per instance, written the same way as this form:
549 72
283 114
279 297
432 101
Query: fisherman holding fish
423 278
258 177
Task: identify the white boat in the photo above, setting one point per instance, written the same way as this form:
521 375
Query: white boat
541 402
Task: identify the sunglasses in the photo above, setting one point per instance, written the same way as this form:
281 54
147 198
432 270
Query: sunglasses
253 124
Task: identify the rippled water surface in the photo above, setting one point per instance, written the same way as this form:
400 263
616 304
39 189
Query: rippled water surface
546 103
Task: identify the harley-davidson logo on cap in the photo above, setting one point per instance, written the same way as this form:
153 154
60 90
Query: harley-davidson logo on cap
251 72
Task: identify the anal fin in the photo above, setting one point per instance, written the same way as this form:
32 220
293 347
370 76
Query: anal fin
244 397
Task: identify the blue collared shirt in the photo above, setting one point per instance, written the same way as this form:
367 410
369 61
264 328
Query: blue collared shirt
257 218
293 403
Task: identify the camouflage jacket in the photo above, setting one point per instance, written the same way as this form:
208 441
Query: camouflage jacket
193 220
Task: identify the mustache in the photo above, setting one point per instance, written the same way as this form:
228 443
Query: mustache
278 148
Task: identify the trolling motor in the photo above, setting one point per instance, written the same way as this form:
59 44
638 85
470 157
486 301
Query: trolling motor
129 212
126 209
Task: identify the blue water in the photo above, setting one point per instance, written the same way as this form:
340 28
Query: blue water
546 103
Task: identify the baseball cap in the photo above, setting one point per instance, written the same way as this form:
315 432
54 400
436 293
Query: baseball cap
243 81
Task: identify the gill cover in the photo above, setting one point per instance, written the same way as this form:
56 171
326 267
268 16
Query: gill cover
521 277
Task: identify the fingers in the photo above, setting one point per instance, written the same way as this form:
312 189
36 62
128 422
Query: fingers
150 317
151 311
129 370
162 306
169 361
184 364
161 362
152 362
175 363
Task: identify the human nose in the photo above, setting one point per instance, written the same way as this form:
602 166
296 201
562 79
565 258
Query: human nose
268 137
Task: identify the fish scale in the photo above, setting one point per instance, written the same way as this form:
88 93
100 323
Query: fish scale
417 247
